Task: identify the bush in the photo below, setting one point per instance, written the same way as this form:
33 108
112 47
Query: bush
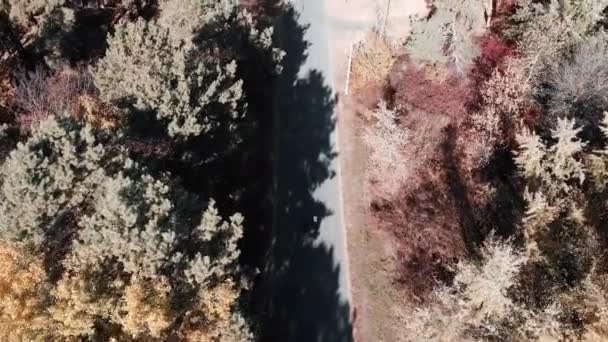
579 87
372 61
494 52
39 94
422 214
477 302
433 90
24 291
505 99
386 141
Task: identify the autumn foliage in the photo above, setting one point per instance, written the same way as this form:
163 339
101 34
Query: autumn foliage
498 222
23 291
435 90
494 52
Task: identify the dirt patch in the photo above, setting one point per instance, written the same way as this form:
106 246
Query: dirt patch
399 11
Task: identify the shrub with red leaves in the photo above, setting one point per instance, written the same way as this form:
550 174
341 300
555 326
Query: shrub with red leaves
442 92
427 233
505 8
494 51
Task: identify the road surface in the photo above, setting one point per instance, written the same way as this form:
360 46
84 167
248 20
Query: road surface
331 232
309 285
308 279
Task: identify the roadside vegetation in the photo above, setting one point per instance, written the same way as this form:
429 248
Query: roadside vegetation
487 140
119 120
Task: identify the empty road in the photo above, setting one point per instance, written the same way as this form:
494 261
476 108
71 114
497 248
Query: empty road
309 280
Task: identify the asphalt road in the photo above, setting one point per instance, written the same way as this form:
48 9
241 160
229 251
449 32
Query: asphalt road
308 274
331 231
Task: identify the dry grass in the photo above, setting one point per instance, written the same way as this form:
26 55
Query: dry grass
372 61
22 292
92 110
39 94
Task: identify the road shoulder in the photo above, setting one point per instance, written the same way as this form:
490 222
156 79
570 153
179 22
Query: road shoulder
373 265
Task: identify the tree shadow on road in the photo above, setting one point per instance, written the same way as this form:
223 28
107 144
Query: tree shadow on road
301 281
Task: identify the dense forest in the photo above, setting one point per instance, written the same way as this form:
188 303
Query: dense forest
138 181
488 156
124 205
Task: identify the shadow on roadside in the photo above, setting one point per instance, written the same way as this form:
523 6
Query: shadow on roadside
301 281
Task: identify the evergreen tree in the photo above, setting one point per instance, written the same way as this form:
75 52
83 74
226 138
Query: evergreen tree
553 288
134 242
166 65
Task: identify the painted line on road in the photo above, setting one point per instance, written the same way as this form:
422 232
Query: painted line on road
349 293
337 110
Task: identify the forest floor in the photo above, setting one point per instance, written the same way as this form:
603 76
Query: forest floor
377 300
